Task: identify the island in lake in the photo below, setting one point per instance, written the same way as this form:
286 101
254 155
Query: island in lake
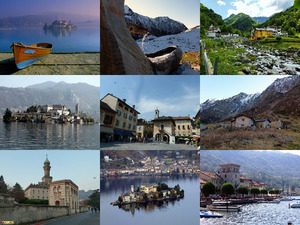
48 114
60 24
150 193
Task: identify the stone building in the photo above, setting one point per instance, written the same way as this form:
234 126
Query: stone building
243 121
40 190
144 129
126 117
212 177
164 128
230 173
64 193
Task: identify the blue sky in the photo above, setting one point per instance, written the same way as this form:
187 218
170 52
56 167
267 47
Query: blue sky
172 95
252 8
24 81
227 86
26 167
32 7
187 12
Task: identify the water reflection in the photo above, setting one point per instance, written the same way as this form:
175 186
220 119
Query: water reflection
48 136
57 32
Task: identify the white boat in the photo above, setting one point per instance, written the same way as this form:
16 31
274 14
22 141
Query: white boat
295 205
286 199
209 214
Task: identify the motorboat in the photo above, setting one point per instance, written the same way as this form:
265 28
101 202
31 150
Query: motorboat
210 214
26 55
286 199
294 205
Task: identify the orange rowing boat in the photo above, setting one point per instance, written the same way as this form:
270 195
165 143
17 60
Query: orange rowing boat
26 55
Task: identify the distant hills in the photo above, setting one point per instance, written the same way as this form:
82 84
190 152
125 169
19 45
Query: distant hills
39 20
261 19
280 99
209 17
18 99
240 21
287 20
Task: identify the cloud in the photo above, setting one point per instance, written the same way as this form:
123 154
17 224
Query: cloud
255 8
221 3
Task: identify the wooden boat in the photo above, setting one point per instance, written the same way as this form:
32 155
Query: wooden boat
166 60
224 206
26 55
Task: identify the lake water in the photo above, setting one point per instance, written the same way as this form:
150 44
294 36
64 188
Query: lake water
81 39
179 212
32 136
264 213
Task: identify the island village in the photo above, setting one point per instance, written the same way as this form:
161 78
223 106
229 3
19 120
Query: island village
120 123
49 114
45 200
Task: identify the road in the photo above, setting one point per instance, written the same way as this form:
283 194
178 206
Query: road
86 218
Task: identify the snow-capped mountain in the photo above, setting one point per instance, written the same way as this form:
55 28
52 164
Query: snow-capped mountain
186 41
158 26
282 96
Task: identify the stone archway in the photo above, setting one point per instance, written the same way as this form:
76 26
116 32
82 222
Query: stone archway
57 203
166 138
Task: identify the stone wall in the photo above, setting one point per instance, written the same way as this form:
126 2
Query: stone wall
31 213
6 200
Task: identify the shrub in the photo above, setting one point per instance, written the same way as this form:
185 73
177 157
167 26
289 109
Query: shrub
279 39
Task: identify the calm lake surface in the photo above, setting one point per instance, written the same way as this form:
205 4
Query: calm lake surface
32 136
81 39
179 212
264 213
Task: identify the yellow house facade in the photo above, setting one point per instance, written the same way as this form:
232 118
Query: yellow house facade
261 33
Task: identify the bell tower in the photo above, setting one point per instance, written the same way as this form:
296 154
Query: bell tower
156 114
47 178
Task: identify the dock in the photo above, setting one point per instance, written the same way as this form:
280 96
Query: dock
60 63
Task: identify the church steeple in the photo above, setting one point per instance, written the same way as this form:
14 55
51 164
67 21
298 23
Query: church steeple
47 178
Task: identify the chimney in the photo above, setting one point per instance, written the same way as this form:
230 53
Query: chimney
133 106
124 100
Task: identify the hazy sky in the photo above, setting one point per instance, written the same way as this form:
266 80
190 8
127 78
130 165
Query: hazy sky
26 167
227 86
185 11
172 95
24 81
252 8
32 7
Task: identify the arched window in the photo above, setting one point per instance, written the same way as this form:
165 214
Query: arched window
54 190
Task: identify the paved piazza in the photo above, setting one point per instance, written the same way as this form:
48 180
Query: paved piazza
144 146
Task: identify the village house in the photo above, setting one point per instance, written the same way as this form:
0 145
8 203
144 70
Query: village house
164 128
213 32
126 117
267 32
242 121
230 173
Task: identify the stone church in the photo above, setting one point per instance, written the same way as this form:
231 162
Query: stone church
59 193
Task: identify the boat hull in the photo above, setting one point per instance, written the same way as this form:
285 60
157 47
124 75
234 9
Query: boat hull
26 55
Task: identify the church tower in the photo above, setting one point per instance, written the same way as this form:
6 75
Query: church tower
156 114
47 178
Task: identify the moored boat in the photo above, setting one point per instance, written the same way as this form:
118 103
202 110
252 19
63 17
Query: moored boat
209 214
224 206
295 205
26 55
